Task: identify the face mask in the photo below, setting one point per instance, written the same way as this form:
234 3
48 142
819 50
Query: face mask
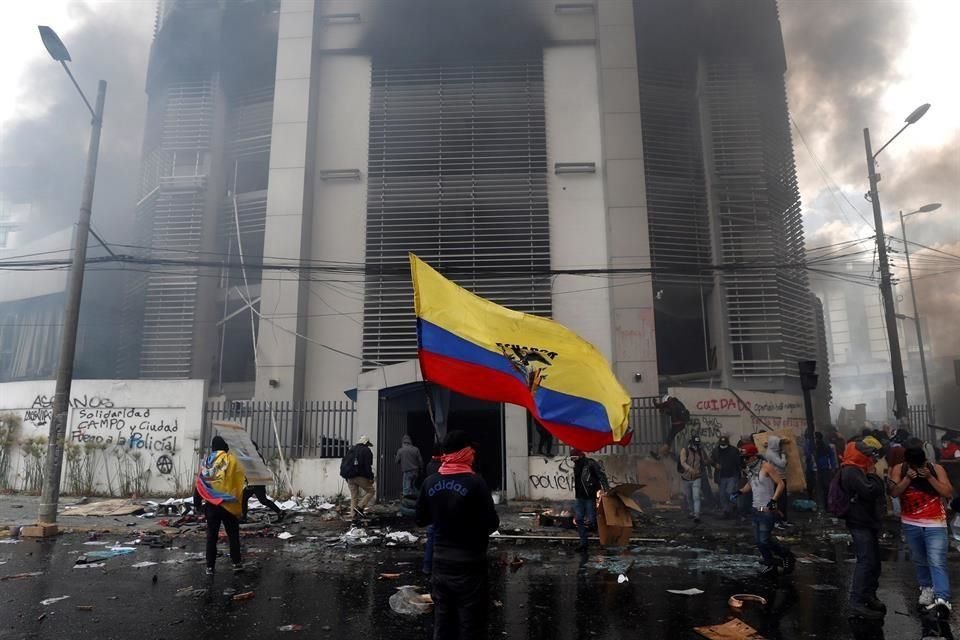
724 446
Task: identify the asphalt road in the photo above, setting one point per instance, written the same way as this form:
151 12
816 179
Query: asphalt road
334 592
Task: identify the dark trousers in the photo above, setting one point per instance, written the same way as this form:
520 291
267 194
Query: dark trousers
460 600
866 575
428 550
824 478
770 550
260 491
217 515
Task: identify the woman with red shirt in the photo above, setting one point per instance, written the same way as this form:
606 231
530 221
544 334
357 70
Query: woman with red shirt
922 487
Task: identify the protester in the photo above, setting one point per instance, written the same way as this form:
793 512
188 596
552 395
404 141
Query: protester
679 416
922 487
866 496
949 449
544 440
825 459
588 480
726 463
410 461
458 503
894 456
774 455
260 491
357 469
691 470
219 485
766 486
432 467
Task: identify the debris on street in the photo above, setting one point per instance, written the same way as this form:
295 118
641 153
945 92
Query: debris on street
686 592
20 576
50 601
734 629
736 601
408 601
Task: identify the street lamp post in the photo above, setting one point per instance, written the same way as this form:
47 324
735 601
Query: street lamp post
71 315
886 286
916 313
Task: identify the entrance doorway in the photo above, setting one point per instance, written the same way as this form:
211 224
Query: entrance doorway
403 411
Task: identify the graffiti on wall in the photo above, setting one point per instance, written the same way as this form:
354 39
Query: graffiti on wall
132 428
41 409
556 475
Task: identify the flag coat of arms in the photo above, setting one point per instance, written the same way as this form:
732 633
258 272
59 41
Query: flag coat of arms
478 348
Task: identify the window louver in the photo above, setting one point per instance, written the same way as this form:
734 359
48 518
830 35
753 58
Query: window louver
457 174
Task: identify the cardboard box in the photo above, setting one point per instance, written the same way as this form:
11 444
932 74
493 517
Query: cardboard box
796 477
614 523
40 530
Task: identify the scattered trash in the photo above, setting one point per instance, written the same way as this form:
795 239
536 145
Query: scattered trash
89 565
41 617
402 537
188 592
358 537
290 627
809 558
141 565
286 535
840 537
622 578
84 607
97 543
497 604
9 540
407 601
734 629
802 504
736 601
613 565
686 592
823 587
20 576
112 552
50 601
389 576
240 597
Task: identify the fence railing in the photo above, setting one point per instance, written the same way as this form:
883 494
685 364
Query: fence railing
315 429
920 417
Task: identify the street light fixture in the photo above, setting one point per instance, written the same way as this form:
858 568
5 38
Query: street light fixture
71 315
927 208
886 286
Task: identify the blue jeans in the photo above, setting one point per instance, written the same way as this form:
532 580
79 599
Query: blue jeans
768 546
866 575
692 489
585 513
928 550
727 487
409 480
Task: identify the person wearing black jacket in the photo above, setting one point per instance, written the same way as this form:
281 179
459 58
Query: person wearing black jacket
588 479
727 473
361 479
868 502
458 503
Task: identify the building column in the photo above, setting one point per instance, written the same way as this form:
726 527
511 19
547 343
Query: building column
515 450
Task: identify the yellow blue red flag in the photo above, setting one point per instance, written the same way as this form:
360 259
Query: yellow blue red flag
486 351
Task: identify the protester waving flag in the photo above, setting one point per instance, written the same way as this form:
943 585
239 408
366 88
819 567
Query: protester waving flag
480 349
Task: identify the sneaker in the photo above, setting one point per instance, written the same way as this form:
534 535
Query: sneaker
862 610
238 568
941 608
780 526
926 597
769 571
877 605
789 563
209 571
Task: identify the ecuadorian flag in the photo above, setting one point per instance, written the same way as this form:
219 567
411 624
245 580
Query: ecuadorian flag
480 349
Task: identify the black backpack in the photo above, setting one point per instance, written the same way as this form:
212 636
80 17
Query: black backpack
348 466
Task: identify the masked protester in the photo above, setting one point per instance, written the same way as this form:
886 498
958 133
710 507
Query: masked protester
219 486
726 463
691 470
922 487
766 486
868 503
589 479
457 502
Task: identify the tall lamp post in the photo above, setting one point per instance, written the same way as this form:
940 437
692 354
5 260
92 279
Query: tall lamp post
933 206
886 287
71 315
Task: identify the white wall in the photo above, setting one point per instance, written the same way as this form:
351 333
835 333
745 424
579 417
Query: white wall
339 223
127 435
578 227
318 477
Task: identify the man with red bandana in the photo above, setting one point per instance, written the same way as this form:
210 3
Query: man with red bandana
457 502
868 503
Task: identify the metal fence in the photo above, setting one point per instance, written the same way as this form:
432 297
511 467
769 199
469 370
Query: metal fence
315 429
921 417
649 429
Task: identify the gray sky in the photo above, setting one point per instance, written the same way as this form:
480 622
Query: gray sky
852 63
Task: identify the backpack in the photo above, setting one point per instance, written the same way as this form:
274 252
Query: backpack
348 466
838 500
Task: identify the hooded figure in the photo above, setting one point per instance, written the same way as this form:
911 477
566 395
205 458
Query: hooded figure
410 461
219 485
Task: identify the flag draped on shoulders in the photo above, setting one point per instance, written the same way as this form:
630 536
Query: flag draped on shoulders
483 350
221 480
